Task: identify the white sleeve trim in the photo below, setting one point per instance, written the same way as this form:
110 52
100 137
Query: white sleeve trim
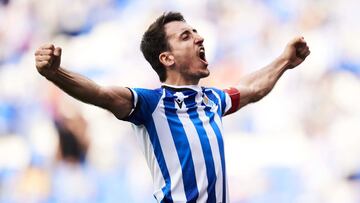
135 100
227 102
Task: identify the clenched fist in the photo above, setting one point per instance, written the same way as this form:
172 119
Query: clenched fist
296 51
48 59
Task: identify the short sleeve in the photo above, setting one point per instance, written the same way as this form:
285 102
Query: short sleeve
144 104
222 99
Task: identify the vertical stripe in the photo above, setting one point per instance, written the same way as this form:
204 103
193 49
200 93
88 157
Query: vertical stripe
215 125
213 144
205 145
183 150
153 135
227 196
217 131
170 153
198 159
143 138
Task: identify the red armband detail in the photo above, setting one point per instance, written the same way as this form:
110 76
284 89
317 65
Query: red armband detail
235 99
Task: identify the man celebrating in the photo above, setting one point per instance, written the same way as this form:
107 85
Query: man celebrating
179 124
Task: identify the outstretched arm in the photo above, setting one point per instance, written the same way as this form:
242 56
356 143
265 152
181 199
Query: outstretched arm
117 100
258 84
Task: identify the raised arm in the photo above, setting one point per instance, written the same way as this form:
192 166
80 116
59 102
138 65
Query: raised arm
117 100
258 84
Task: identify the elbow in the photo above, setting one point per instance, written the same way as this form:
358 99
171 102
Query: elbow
114 103
106 99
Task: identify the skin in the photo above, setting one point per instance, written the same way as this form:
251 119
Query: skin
183 67
182 62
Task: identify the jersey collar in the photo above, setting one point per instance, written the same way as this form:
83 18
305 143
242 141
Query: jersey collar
196 88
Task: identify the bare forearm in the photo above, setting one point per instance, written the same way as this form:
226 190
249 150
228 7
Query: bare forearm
258 84
117 100
263 81
77 86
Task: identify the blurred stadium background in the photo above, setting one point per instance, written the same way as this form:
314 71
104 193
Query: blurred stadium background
300 144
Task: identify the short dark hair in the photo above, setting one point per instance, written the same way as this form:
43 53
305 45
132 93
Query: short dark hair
154 41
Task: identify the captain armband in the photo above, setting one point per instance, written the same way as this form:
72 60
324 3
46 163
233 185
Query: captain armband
234 95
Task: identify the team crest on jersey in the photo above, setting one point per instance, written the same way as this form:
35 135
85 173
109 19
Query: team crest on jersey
208 102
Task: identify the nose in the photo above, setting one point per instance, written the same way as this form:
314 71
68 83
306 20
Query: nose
198 39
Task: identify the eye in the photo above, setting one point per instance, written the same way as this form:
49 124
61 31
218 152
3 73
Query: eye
185 36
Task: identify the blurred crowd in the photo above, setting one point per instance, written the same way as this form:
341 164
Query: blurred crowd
300 144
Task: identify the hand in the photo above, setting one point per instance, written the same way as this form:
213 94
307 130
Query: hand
48 59
295 52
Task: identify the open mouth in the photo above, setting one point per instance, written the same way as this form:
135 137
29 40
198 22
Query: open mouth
202 55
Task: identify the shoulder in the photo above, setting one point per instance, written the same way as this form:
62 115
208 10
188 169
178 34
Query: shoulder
215 91
144 103
144 92
220 97
148 97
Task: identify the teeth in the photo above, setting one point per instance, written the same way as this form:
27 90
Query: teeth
202 53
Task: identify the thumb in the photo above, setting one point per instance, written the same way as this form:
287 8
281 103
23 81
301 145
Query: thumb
57 51
57 57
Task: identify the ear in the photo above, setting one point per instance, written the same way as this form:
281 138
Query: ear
167 59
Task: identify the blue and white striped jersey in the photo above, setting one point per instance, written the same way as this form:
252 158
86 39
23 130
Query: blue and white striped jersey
180 133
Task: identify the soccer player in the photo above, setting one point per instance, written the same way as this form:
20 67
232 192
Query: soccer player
179 123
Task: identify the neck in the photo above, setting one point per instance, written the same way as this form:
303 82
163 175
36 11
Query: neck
180 81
